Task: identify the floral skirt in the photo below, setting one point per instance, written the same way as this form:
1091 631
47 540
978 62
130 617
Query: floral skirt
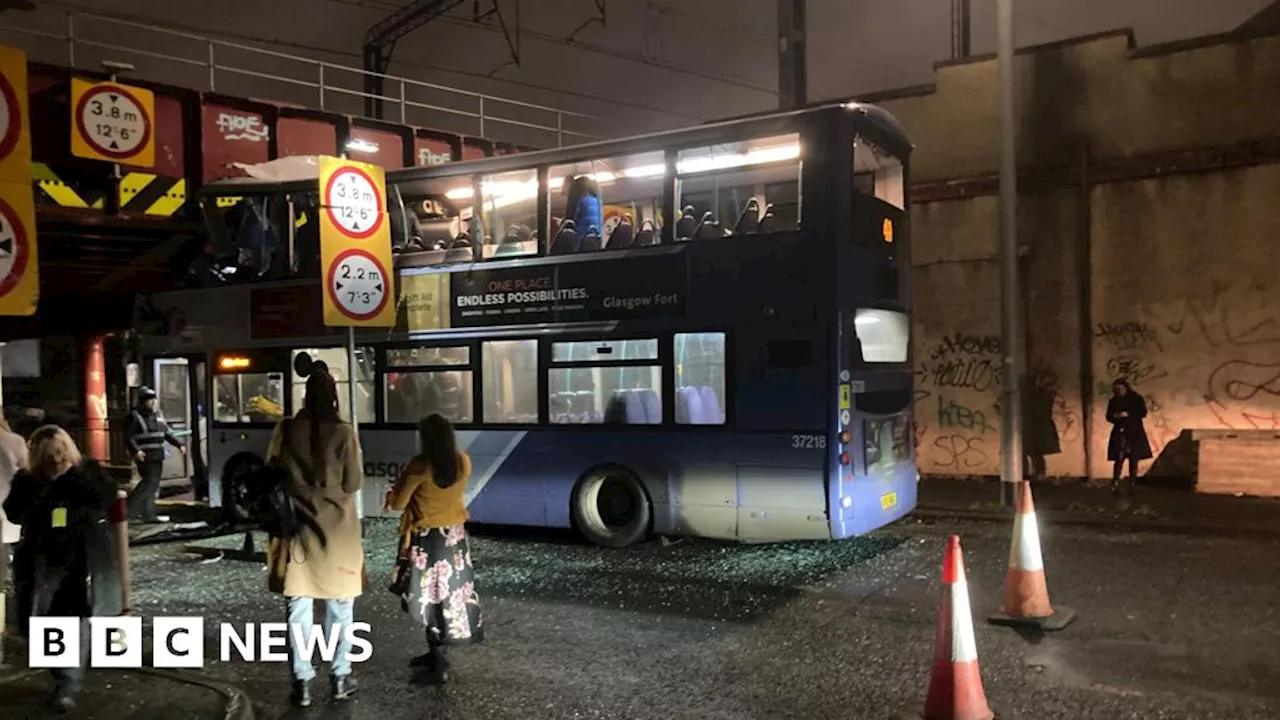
442 591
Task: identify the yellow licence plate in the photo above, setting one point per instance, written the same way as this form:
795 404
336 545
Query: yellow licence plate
889 501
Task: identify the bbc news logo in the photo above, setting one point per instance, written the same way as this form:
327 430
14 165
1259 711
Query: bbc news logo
179 642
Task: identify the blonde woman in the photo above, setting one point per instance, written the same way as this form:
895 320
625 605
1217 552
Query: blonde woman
59 501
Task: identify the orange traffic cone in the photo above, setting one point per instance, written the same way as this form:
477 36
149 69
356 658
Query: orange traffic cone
1026 593
955 687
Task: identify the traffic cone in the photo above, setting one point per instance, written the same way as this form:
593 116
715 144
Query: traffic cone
1026 592
955 687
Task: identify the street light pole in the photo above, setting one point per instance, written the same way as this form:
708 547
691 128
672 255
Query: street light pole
1011 347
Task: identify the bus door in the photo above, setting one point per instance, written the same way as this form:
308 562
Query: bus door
173 400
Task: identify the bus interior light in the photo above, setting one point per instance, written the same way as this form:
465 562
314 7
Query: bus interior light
233 363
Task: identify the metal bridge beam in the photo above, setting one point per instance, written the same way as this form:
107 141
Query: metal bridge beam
380 42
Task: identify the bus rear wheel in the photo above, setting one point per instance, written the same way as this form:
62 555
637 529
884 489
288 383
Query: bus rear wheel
611 508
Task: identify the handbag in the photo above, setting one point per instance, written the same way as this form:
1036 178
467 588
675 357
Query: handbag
272 506
402 571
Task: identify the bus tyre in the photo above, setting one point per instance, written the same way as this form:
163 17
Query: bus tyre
235 487
611 508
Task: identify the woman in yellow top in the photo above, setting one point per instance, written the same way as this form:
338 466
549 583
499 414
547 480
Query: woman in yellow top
436 580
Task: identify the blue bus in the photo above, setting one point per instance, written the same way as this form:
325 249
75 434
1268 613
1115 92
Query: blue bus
703 332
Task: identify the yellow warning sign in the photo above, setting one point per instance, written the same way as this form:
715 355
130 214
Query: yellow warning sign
846 396
15 126
355 245
19 260
113 122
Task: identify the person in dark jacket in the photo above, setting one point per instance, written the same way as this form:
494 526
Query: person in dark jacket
1125 411
148 432
60 502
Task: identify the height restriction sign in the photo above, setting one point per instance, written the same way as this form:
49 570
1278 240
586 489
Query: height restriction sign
19 264
113 122
15 130
355 245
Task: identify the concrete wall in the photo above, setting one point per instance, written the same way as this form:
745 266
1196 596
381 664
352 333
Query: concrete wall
1159 272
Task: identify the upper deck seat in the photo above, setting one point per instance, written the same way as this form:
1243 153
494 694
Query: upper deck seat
687 225
749 221
648 235
514 242
566 240
623 236
590 240
636 414
708 228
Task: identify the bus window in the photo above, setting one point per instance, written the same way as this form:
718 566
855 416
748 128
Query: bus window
428 356
883 335
629 393
427 386
699 359
599 196
739 188
509 213
248 398
336 360
878 174
510 381
887 442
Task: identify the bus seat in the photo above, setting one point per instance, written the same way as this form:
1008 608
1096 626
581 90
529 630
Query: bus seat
635 408
647 236
618 411
749 220
590 241
652 406
708 228
566 240
697 412
682 406
435 234
711 405
768 223
687 225
623 236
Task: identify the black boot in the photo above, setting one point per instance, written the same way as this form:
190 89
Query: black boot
62 702
301 694
344 686
1115 487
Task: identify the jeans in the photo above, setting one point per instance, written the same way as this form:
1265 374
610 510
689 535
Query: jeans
142 503
337 614
68 681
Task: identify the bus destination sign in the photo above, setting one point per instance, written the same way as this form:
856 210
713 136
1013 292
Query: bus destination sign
626 288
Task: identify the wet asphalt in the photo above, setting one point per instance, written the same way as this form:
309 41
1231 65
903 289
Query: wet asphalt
1169 627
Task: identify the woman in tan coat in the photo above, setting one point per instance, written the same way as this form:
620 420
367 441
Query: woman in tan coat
325 561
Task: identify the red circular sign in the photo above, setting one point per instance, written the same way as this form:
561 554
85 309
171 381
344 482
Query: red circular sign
353 288
139 118
13 118
338 214
14 258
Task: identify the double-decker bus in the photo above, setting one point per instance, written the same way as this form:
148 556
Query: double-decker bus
703 332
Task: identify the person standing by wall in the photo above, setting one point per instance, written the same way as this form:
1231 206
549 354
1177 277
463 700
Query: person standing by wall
1125 411
13 458
325 559
60 502
147 434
